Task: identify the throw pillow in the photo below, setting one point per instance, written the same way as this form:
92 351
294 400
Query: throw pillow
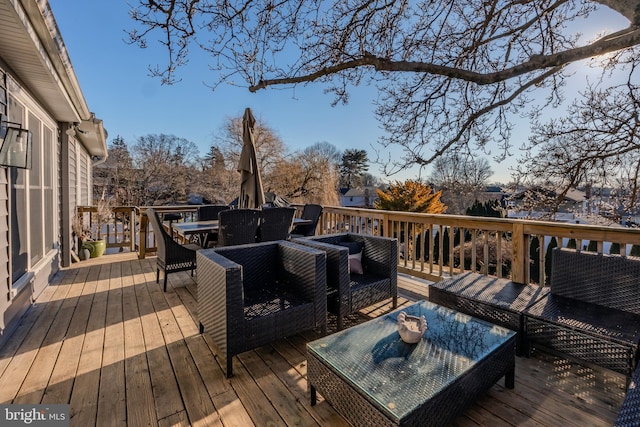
355 256
355 263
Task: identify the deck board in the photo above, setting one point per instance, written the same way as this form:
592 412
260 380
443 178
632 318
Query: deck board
107 340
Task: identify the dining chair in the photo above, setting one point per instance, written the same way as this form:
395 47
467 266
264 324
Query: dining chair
237 226
171 255
275 224
208 213
311 212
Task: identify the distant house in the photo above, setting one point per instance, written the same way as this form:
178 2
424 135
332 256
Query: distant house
359 197
492 192
536 202
39 92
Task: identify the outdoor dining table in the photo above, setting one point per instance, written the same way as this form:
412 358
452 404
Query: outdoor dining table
198 231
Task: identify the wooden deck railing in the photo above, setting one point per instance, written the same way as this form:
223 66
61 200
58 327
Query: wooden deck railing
117 233
504 247
524 245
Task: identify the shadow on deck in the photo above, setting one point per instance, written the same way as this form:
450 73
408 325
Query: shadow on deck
106 340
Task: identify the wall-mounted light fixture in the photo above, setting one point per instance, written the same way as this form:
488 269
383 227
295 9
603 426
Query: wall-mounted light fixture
16 145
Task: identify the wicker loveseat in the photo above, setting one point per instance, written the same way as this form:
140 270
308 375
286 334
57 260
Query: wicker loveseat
250 295
592 312
629 415
349 291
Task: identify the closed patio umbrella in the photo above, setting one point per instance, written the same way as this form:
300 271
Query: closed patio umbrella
251 192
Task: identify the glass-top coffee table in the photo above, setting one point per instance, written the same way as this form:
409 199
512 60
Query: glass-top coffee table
370 376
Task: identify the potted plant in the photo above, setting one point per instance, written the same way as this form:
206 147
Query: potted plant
103 216
80 235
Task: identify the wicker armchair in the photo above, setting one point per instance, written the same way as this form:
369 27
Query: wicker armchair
171 255
250 295
310 212
348 291
275 224
237 226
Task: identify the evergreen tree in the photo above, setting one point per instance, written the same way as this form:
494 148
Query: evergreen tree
354 165
553 243
490 208
436 248
614 249
534 259
214 159
115 177
445 247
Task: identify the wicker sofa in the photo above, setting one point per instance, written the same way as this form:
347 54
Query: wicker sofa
250 295
348 292
496 300
592 312
629 415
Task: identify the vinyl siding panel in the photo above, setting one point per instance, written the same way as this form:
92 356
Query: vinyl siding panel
5 280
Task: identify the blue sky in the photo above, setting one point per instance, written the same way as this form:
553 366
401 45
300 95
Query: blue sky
115 82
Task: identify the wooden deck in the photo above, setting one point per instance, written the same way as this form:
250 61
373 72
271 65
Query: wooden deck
105 339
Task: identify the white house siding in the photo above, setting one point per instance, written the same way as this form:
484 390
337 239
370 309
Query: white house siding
76 184
42 93
73 185
5 280
38 207
84 182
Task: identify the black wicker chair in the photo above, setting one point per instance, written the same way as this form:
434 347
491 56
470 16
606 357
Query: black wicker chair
237 226
592 313
348 291
210 212
171 255
275 224
312 213
629 415
207 213
250 295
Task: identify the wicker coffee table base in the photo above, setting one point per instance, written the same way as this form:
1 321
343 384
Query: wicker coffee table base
440 410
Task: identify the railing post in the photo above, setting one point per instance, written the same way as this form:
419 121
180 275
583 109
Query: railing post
132 229
519 256
387 225
142 247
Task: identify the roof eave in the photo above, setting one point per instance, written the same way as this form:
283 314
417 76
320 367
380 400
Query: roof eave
35 53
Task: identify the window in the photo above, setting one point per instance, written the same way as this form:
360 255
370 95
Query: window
33 207
35 190
18 207
3 92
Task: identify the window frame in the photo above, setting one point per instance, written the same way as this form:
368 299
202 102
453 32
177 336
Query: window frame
41 231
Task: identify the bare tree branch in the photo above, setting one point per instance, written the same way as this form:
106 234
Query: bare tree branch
623 39
451 74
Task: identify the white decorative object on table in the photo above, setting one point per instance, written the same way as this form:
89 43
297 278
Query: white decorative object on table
411 328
